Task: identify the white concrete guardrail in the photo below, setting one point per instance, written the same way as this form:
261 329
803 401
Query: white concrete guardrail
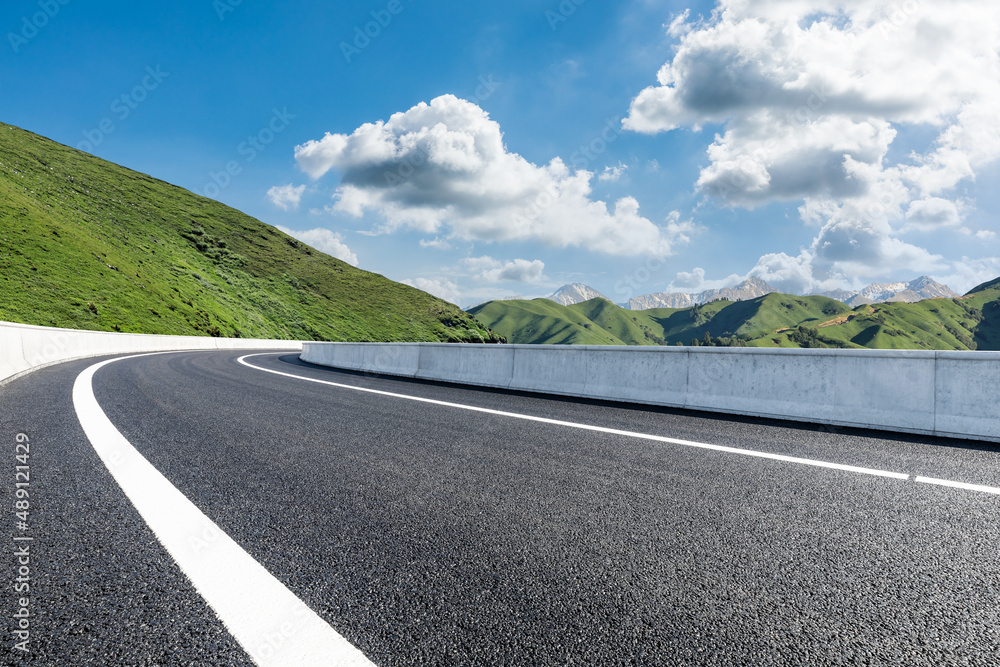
24 348
952 394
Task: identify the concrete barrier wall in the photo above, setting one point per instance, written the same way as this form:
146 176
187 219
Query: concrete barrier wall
24 348
951 394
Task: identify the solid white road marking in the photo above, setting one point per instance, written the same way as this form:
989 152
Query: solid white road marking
633 434
274 626
959 485
588 427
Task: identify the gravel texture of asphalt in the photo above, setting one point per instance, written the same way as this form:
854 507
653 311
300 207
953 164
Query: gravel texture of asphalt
431 535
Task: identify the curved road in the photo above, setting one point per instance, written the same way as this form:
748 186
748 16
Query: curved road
423 532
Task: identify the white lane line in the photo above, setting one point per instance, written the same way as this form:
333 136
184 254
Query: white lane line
588 427
273 625
959 485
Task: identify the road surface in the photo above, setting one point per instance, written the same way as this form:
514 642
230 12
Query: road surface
424 523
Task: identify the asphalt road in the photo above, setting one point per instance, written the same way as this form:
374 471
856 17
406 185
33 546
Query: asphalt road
428 534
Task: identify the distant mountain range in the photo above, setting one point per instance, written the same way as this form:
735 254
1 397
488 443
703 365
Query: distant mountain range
911 292
773 320
752 288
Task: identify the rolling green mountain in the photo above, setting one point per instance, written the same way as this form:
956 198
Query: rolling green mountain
87 244
775 320
993 284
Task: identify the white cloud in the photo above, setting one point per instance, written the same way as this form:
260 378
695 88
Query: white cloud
801 58
822 159
811 96
286 197
679 232
442 289
325 241
797 274
849 251
690 280
695 281
437 244
982 234
494 271
612 174
679 25
969 273
443 168
792 275
933 213
474 264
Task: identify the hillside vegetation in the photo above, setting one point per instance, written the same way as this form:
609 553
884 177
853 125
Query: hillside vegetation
971 322
87 244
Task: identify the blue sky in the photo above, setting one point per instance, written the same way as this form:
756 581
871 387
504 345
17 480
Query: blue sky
708 180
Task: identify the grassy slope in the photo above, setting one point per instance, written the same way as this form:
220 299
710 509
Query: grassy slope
632 328
88 244
775 320
756 320
542 320
991 285
935 324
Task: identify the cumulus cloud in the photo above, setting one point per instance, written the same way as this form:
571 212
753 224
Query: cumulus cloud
443 168
494 271
792 275
612 174
864 252
325 241
970 273
442 289
850 250
679 232
933 213
690 280
286 197
852 58
830 157
811 96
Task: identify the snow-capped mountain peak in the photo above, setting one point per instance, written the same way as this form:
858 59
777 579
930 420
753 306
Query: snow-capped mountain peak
567 295
911 292
751 288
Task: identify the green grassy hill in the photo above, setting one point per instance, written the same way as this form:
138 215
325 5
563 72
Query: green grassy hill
993 284
776 320
87 244
541 320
